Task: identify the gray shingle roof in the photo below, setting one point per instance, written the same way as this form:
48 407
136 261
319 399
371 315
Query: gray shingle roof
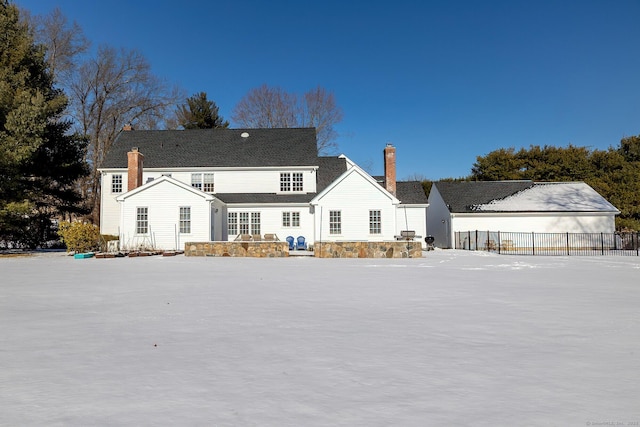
411 193
463 196
330 169
216 148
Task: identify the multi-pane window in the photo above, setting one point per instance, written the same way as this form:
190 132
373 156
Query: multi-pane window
297 181
208 182
375 222
255 222
185 219
142 220
116 183
196 180
291 181
243 223
335 222
233 223
285 182
291 219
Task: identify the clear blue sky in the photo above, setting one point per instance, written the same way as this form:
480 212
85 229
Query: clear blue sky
443 81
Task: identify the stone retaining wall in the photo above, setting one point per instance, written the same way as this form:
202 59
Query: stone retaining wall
368 250
237 249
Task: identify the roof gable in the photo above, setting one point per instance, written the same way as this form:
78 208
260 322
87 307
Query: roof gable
160 181
358 171
216 148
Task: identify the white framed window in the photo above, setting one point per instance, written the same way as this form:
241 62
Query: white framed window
232 218
243 223
116 183
142 220
291 219
185 219
285 182
196 180
207 179
335 222
375 222
255 222
297 181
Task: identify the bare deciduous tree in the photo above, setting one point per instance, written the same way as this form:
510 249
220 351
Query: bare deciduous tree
272 107
64 42
107 92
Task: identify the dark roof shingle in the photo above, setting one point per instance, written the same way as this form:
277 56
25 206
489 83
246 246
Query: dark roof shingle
216 148
465 195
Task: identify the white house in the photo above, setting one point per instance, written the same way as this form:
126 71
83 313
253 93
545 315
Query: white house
516 206
160 189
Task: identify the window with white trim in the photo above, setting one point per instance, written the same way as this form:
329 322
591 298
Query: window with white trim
196 180
116 183
243 223
291 219
335 222
255 222
297 180
232 223
285 182
185 219
207 179
291 181
375 222
142 220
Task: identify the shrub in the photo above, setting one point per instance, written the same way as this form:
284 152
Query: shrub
80 236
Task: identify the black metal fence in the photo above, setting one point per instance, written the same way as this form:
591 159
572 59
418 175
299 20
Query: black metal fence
620 244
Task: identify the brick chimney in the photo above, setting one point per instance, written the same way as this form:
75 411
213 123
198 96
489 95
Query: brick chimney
390 168
127 127
134 169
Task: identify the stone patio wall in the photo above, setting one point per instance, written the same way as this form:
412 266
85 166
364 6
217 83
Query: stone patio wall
368 250
237 249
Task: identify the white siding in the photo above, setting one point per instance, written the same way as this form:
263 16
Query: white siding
164 201
109 207
239 181
355 196
271 221
538 223
412 218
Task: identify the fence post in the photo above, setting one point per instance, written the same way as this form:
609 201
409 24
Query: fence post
568 252
476 240
498 242
602 242
533 242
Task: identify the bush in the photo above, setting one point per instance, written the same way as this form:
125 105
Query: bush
80 236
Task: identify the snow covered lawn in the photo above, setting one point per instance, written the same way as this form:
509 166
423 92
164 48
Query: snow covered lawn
454 338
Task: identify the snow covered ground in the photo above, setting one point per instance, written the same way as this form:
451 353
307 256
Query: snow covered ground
454 338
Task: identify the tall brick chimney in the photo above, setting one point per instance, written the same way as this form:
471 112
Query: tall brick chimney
134 169
390 168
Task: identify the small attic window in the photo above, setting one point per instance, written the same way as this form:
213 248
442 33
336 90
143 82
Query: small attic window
245 134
